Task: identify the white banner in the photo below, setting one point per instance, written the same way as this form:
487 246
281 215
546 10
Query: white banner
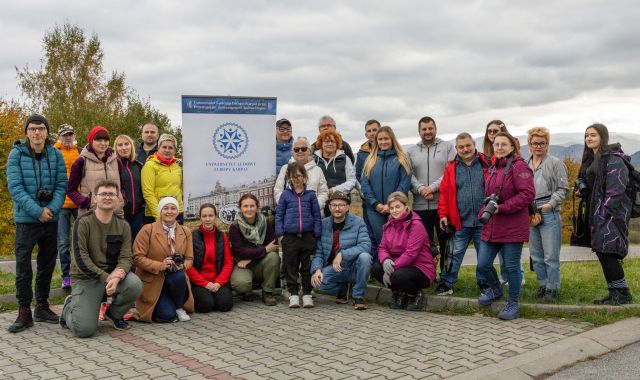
228 150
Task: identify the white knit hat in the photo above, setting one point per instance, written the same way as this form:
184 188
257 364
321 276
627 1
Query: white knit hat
165 201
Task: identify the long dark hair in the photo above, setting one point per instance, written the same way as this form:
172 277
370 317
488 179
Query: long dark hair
590 160
487 145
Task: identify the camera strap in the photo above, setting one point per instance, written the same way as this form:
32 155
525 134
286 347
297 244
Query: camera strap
506 170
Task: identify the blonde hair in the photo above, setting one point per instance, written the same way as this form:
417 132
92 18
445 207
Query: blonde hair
538 132
132 154
398 196
373 156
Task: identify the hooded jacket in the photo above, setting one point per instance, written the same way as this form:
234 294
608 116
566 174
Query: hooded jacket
386 177
25 175
405 241
283 153
160 180
427 167
516 191
315 182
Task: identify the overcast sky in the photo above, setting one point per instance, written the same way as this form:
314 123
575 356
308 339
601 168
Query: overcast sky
560 64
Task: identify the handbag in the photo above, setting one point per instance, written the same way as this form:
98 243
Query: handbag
535 216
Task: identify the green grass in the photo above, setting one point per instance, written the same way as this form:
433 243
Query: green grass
581 282
8 281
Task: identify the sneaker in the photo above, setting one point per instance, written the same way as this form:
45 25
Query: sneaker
443 290
103 309
61 321
117 323
294 301
541 292
359 304
511 310
182 315
398 300
128 316
268 299
489 295
307 301
24 320
342 297
415 302
66 282
43 313
551 295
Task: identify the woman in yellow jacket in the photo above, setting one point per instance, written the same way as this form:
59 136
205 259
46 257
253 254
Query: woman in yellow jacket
162 177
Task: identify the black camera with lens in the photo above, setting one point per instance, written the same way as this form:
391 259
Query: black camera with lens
44 195
178 260
580 186
491 205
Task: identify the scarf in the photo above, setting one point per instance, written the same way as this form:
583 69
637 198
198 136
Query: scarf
171 236
163 160
255 233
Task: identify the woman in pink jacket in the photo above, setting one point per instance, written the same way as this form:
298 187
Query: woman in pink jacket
405 260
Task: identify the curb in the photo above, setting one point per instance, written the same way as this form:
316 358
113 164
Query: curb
437 303
550 358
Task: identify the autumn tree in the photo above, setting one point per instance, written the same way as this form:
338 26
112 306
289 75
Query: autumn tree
72 87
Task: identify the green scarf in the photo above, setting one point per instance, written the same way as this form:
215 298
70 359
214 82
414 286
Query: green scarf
255 233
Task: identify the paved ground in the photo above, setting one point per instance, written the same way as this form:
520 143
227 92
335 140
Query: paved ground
254 341
618 365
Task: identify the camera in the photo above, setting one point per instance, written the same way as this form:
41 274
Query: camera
580 186
178 260
44 195
491 205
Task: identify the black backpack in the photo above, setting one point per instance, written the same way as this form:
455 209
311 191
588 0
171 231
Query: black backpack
633 188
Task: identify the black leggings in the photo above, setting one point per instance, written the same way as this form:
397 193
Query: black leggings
612 268
206 301
408 279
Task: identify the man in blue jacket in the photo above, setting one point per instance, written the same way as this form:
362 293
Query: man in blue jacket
343 254
37 180
284 142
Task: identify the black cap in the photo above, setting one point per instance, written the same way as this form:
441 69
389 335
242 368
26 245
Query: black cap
282 121
39 119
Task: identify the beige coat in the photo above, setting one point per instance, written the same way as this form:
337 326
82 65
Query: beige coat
150 249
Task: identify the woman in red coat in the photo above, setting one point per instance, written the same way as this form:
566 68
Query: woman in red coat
212 265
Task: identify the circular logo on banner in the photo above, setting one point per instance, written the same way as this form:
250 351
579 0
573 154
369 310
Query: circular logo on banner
230 140
228 213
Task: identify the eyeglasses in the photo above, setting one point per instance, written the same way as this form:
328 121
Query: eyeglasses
325 126
338 205
301 149
329 142
492 131
107 195
284 129
539 144
36 129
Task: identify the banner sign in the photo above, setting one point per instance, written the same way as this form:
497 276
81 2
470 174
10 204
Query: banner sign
228 150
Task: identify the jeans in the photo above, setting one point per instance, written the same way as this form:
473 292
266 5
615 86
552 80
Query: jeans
358 274
173 296
81 315
544 248
461 243
376 221
503 269
64 224
27 236
512 253
136 221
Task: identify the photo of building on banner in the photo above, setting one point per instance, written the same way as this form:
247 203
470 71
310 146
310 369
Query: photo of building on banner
229 150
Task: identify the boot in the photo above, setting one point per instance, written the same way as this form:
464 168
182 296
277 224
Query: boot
268 299
619 297
415 302
604 300
398 300
42 313
23 321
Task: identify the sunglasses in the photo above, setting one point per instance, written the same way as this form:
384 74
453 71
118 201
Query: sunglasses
492 131
301 149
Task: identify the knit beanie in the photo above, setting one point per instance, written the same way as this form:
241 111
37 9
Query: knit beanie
37 119
97 133
165 201
167 136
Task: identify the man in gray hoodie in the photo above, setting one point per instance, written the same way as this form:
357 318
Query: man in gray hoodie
429 158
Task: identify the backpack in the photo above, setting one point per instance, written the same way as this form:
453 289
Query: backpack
633 188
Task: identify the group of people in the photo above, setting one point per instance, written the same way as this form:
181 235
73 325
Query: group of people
130 251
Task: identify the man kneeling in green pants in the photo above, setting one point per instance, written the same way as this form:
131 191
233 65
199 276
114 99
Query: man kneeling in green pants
100 263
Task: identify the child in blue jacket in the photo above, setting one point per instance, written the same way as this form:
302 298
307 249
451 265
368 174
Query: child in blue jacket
298 226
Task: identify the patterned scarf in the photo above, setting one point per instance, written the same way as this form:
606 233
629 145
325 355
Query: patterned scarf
255 233
171 236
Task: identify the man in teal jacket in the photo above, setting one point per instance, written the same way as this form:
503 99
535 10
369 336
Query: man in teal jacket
343 254
37 180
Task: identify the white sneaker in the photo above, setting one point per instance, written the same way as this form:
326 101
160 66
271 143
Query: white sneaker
307 301
294 302
182 315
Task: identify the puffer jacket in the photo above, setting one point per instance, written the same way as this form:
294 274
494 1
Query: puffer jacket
516 190
405 241
70 155
354 240
23 181
315 182
296 214
386 177
283 153
159 180
361 157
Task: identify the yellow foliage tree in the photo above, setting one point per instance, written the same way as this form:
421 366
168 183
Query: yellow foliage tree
566 214
11 129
